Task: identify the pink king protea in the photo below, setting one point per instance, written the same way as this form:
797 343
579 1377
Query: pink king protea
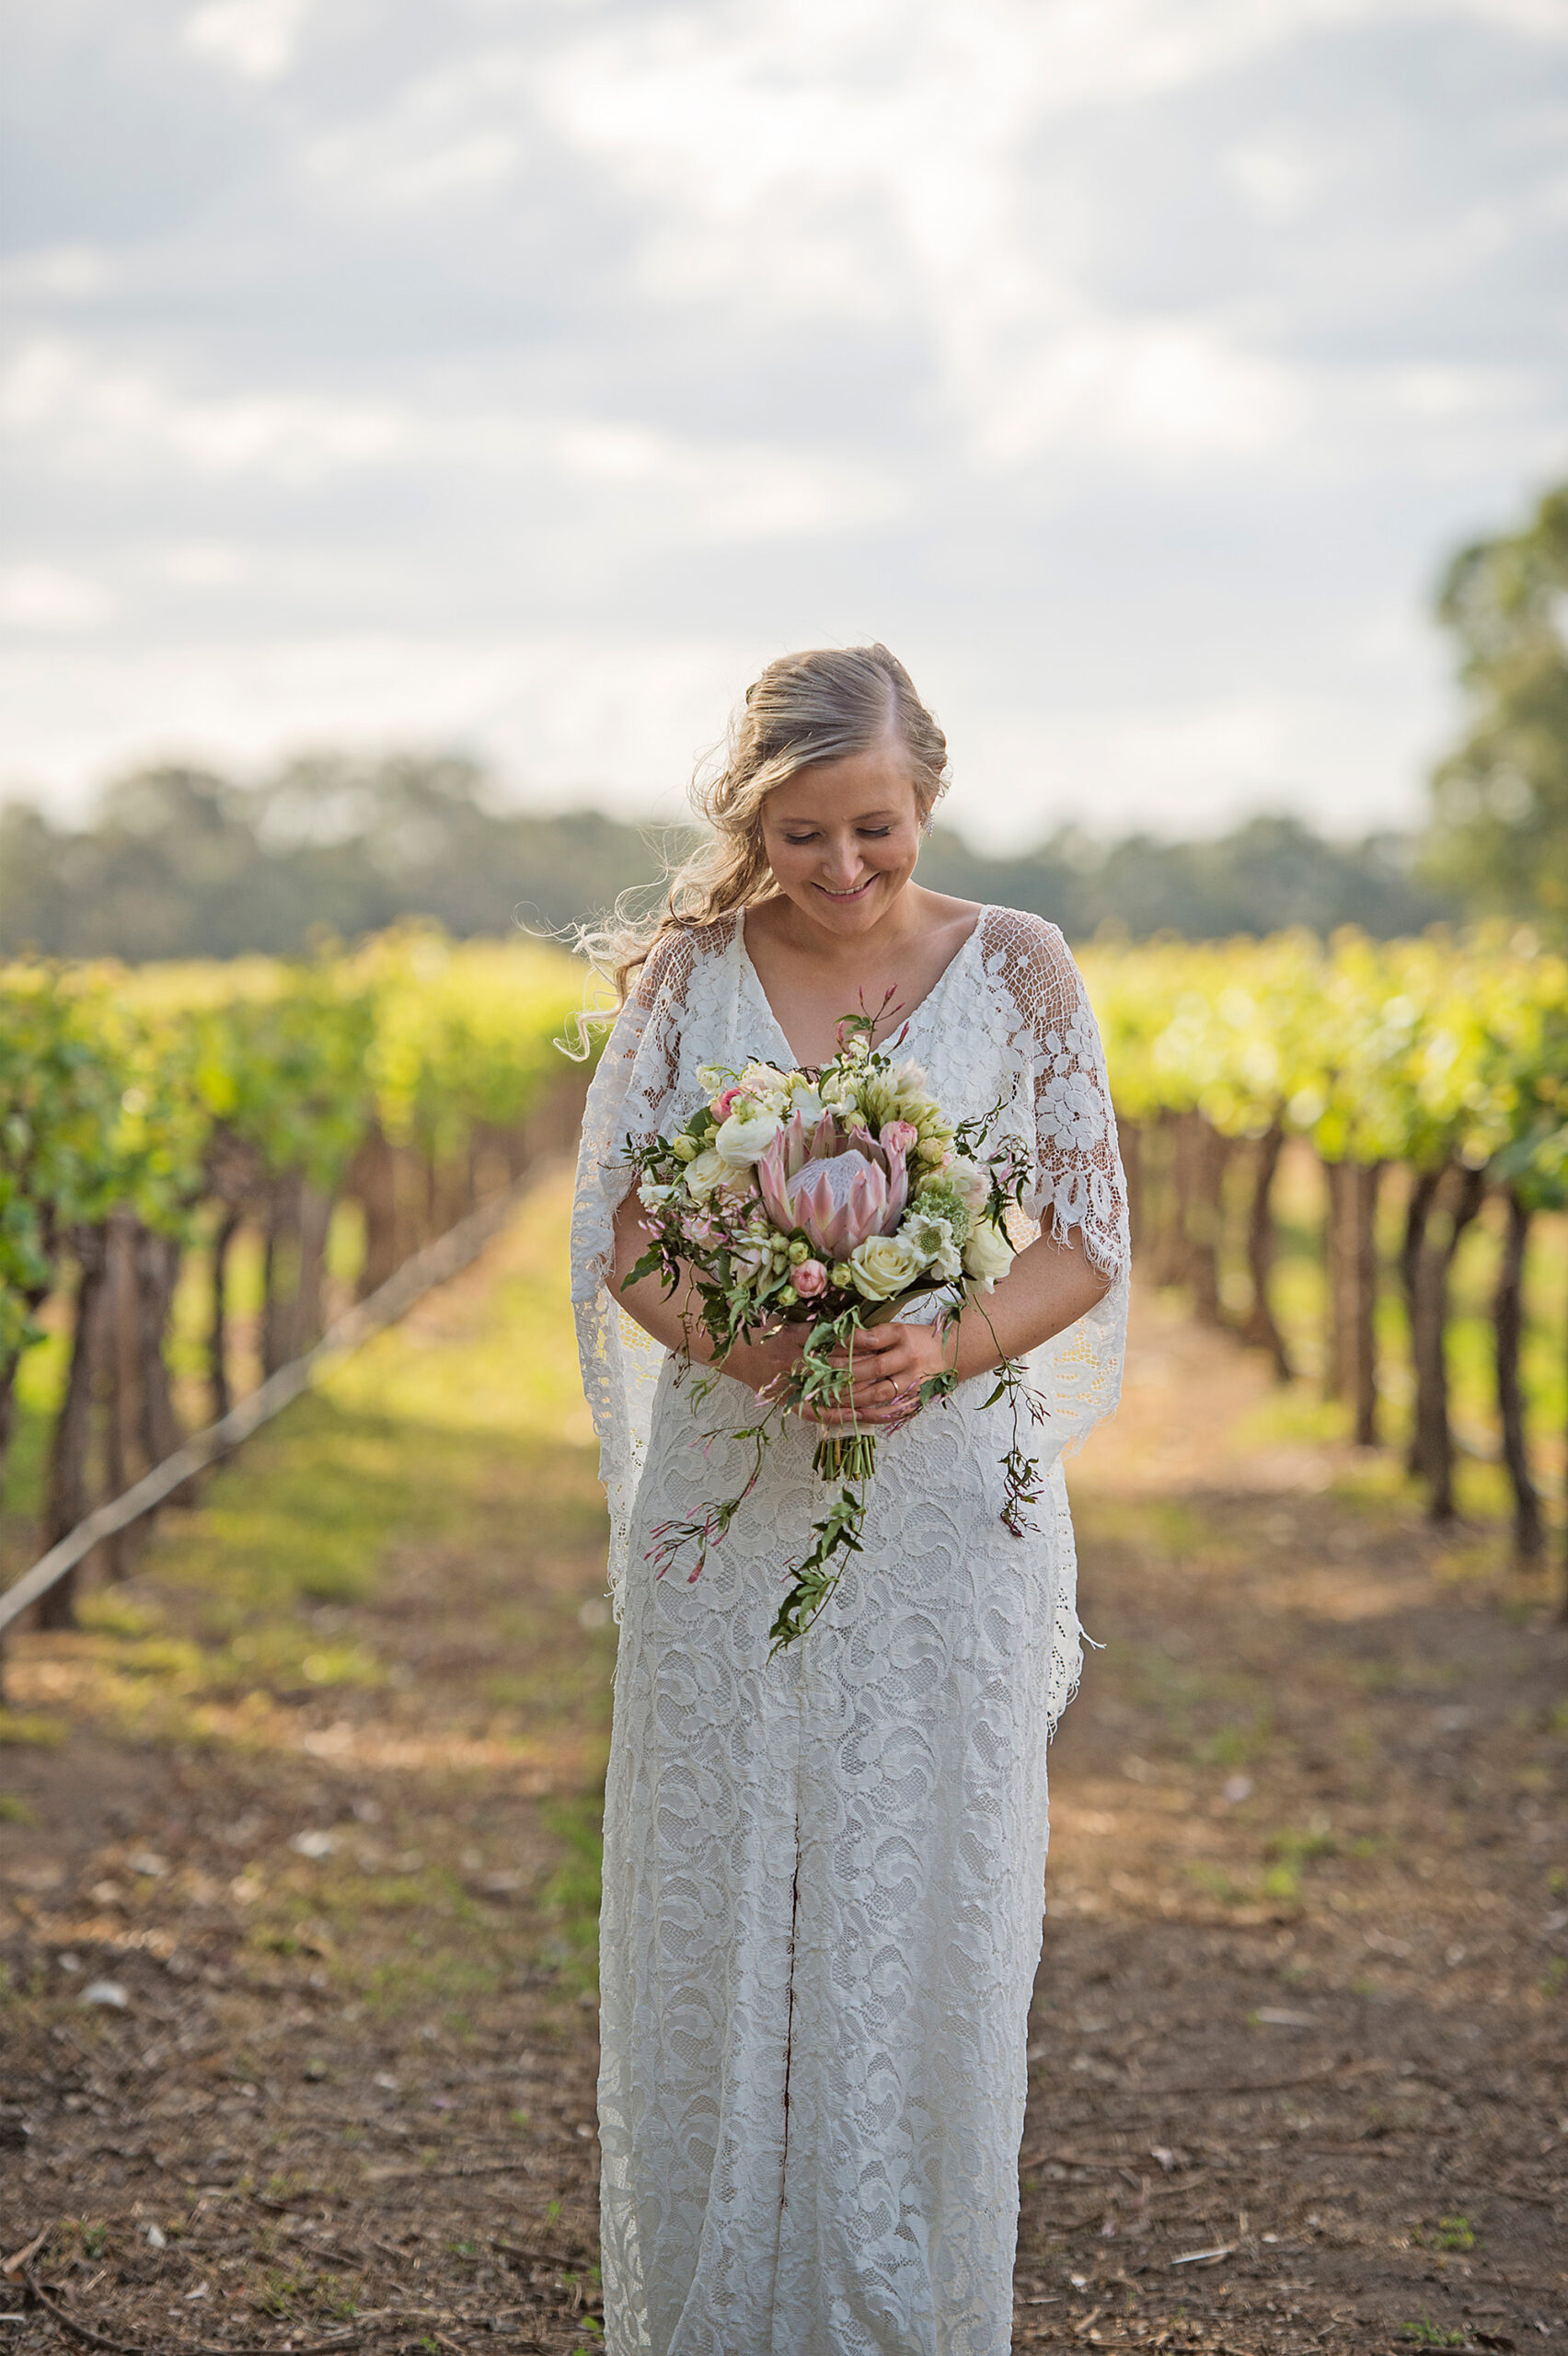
839 1191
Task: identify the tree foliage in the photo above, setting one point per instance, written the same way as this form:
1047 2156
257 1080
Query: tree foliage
1501 832
182 862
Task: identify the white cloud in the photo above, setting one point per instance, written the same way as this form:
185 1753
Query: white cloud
1279 179
55 273
100 420
456 131
256 39
43 597
202 565
719 493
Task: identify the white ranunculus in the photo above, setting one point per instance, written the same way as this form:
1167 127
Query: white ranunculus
747 1134
931 1236
968 1181
884 1265
987 1254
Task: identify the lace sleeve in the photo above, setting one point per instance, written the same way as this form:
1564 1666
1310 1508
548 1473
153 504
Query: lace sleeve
632 1092
1068 1130
1077 1171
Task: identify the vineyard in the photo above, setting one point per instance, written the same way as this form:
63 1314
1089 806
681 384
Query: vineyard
300 1793
197 1157
1427 1081
200 1160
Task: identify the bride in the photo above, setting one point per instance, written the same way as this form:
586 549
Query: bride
824 1873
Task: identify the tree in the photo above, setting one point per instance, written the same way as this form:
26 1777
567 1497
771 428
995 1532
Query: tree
1501 818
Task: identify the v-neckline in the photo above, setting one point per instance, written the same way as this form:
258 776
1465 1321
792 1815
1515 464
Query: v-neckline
919 1009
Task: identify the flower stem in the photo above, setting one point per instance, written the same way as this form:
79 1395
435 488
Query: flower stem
850 1457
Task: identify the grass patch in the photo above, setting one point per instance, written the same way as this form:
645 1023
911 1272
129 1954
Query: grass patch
23 1727
1215 1882
1452 2233
570 1898
1287 1852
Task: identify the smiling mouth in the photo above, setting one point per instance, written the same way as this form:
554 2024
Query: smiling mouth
859 892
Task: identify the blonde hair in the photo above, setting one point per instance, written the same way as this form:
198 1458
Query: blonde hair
822 705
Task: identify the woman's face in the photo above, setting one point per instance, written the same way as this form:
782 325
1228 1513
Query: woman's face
842 838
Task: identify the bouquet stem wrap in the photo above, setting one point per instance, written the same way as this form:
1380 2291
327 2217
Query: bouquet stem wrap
849 1457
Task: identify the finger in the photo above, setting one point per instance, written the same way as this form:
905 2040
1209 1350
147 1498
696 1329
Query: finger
876 1342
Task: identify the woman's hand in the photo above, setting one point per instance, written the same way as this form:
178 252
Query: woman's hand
887 1366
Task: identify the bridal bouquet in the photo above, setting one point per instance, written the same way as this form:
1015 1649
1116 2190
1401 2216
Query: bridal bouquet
831 1200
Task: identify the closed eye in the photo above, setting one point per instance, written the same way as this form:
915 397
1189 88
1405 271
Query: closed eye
872 834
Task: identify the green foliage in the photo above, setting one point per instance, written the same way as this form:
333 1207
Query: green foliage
1501 799
136 1089
1417 1051
61 1111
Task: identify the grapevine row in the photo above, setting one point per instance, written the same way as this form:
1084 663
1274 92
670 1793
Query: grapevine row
1429 1080
150 1120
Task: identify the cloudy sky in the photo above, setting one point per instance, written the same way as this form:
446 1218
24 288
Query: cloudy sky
522 374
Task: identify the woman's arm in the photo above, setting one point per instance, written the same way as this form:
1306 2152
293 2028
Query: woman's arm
673 1319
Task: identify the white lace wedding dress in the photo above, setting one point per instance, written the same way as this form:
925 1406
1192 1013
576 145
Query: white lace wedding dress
824 1874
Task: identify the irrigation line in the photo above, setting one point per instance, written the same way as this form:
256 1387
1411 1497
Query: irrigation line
421 1274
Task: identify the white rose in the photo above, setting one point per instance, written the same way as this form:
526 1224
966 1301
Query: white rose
710 1170
987 1254
747 1134
884 1265
764 1079
968 1181
925 1233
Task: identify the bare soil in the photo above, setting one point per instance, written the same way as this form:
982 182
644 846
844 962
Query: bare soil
1299 2061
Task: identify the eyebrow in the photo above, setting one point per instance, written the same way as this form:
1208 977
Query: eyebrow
860 818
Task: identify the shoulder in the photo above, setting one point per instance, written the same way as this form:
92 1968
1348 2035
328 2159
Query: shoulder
1018 938
676 956
1033 973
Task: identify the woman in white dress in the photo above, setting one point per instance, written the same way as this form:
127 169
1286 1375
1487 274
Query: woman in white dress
824 1873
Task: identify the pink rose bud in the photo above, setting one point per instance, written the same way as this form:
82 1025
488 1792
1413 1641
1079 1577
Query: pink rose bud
724 1105
809 1279
899 1136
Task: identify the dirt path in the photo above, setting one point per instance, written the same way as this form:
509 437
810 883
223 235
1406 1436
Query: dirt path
321 1813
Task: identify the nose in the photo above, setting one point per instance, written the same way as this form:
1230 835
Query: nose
842 863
